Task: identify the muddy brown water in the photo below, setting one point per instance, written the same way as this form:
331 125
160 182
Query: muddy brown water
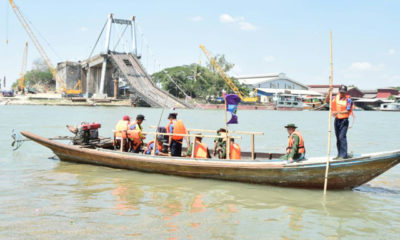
42 198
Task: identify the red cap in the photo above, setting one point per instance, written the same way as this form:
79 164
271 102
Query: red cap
126 118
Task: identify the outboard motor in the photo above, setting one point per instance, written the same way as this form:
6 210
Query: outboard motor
87 132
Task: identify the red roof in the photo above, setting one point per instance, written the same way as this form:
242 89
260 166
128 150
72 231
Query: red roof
383 95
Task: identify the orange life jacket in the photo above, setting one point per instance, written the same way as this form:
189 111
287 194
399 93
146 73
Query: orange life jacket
149 149
178 128
339 105
135 134
301 148
121 128
200 150
234 152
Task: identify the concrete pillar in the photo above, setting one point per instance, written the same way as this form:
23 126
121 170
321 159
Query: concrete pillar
106 50
116 88
88 77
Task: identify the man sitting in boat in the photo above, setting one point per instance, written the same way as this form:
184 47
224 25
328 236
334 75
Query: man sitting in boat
219 144
200 149
159 150
295 150
120 133
234 151
135 134
176 127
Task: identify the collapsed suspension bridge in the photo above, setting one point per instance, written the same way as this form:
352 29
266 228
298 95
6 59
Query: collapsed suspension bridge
100 75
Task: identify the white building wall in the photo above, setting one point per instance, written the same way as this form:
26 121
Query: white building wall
281 84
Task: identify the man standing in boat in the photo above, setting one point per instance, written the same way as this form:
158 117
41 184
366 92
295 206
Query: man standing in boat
342 108
295 150
176 127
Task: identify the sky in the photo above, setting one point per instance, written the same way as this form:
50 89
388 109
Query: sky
259 37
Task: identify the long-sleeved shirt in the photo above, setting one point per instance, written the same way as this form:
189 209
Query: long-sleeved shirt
294 153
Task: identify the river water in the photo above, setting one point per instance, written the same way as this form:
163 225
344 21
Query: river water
43 198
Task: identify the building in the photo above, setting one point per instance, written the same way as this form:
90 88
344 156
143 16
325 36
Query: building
270 85
324 89
385 93
369 94
272 81
354 92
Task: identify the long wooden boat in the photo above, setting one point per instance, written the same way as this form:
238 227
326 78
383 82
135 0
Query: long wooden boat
344 174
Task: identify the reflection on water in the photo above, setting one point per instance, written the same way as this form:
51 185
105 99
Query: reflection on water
48 199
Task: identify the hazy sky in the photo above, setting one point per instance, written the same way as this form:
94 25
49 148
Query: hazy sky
257 36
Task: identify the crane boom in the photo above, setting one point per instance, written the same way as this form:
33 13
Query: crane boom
23 68
37 45
225 77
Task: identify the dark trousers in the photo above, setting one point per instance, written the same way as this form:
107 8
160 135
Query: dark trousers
341 126
176 148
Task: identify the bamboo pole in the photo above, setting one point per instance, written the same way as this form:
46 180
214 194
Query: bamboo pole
122 144
232 131
193 146
252 146
214 131
330 115
191 135
228 146
155 143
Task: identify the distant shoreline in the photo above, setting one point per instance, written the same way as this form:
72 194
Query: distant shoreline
56 100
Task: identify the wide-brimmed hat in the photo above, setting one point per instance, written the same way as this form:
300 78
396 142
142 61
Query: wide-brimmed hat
342 89
172 115
291 125
140 117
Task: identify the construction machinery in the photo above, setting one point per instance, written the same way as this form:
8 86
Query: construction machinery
227 79
61 84
21 79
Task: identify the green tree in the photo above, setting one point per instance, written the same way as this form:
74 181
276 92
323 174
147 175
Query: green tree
195 80
40 75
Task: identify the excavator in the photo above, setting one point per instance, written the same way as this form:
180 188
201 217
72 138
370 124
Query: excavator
77 90
227 79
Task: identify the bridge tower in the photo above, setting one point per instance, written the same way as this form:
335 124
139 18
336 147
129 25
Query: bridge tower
111 20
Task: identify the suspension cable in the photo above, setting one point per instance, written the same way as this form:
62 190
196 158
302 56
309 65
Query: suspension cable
97 41
122 34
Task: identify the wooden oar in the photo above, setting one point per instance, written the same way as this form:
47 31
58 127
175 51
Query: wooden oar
330 116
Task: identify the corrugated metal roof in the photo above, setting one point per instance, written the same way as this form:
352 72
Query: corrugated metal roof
259 79
369 95
291 91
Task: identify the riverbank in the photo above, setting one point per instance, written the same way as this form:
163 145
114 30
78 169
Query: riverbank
53 99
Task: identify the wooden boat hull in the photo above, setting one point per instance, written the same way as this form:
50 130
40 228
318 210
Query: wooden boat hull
344 174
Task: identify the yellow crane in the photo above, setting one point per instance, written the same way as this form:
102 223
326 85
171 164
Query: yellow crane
23 69
53 70
227 79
